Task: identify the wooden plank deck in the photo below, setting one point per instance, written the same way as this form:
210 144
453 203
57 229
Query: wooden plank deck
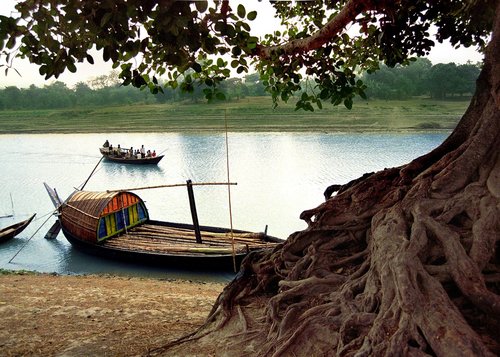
165 240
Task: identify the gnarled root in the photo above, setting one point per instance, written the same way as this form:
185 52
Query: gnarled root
403 262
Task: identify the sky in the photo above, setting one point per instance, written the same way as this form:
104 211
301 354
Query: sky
441 53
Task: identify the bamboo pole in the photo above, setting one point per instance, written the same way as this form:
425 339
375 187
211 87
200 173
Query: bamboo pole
182 231
229 191
88 178
173 185
206 238
175 248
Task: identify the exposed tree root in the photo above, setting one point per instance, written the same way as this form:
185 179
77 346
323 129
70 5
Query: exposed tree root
386 267
402 262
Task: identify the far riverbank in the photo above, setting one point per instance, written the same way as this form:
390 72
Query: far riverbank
253 114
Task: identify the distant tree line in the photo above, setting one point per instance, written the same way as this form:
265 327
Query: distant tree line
420 78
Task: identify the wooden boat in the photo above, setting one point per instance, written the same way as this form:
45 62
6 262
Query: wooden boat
124 159
13 230
117 225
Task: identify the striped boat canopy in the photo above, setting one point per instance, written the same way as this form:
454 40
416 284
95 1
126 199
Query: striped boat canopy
95 216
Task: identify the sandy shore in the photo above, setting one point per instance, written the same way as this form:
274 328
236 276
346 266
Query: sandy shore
57 315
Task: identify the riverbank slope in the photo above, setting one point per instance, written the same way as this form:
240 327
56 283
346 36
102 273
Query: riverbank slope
55 315
252 114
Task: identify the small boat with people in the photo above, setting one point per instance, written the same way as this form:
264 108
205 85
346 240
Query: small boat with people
15 229
116 224
129 156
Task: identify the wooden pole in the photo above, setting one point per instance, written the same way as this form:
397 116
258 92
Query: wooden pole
12 204
229 193
87 180
194 214
172 185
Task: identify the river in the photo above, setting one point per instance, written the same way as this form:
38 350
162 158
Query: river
278 175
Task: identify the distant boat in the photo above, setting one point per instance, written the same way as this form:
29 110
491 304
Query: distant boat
123 158
13 230
117 225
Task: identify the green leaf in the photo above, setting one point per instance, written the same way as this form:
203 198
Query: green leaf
11 42
236 51
252 43
71 67
201 6
348 103
90 59
42 70
106 53
252 15
105 19
196 66
241 11
220 62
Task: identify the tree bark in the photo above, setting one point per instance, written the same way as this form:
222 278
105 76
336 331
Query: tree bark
402 262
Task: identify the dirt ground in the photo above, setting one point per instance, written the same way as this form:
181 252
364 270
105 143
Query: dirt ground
55 315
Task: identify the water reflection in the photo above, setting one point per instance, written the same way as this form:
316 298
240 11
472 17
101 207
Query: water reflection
134 173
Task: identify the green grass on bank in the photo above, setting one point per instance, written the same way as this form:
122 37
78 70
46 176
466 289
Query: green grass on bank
249 114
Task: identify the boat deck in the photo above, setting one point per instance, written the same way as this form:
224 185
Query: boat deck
158 239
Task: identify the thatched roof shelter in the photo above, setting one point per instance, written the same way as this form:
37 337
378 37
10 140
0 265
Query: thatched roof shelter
96 216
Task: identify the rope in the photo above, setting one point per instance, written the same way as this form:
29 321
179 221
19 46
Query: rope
25 243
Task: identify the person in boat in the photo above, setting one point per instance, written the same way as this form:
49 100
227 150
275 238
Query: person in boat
106 144
143 152
153 154
119 151
148 153
139 154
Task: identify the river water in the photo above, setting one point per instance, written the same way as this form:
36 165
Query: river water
278 175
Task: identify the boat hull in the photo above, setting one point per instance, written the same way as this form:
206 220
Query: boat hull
130 160
188 261
10 232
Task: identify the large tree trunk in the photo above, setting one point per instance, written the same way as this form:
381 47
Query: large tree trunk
405 261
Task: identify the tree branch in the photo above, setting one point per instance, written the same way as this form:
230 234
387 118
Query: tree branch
328 32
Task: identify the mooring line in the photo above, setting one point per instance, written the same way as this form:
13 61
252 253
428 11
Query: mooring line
25 243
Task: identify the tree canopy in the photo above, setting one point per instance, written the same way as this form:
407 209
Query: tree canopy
201 42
